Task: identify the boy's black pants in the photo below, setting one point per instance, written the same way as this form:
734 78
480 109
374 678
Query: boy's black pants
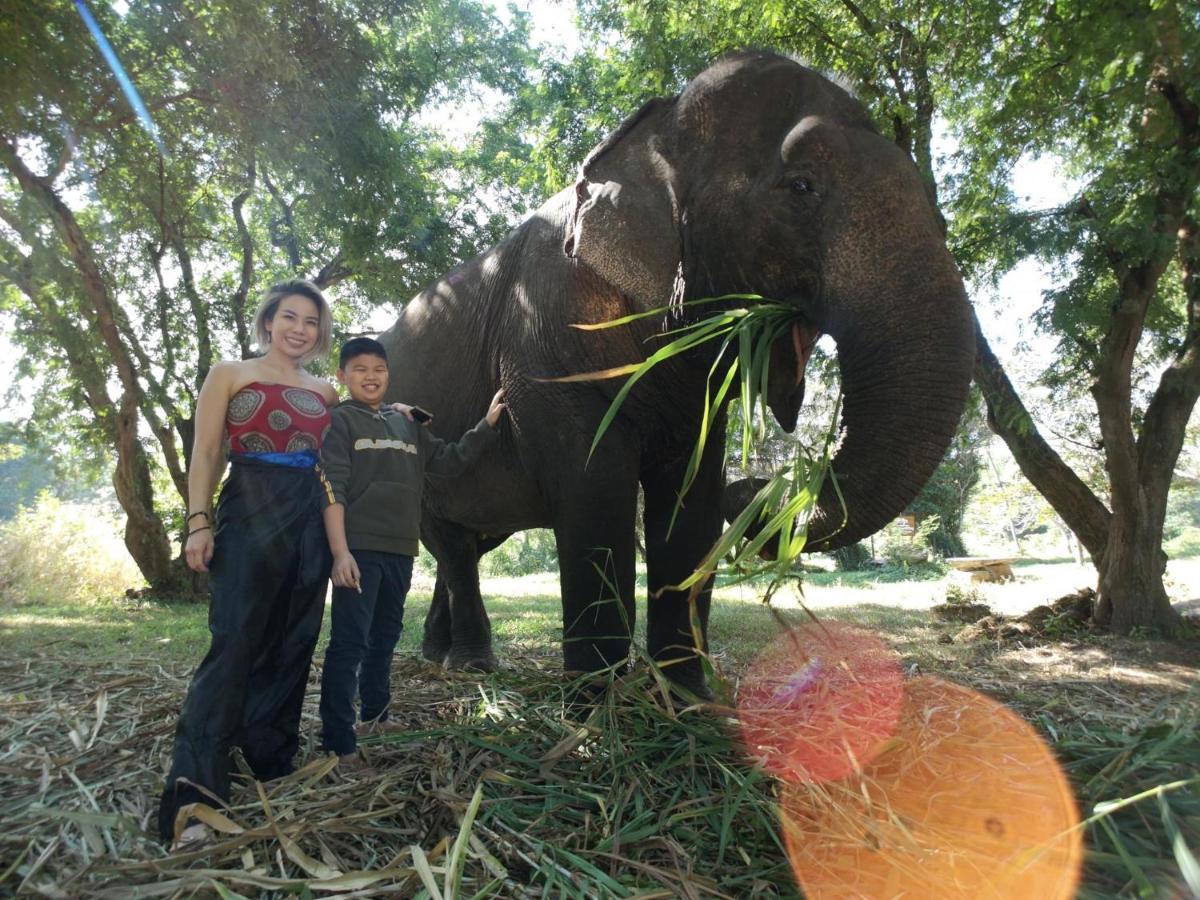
358 660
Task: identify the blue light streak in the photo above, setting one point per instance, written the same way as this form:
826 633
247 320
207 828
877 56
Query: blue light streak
118 70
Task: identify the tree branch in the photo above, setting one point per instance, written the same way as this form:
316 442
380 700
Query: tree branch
163 305
1165 424
332 272
95 287
125 119
132 477
1073 500
238 301
288 239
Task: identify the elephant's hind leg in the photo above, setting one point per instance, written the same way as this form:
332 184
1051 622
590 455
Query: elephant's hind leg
435 645
470 631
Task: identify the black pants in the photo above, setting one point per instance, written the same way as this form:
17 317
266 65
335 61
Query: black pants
269 574
362 638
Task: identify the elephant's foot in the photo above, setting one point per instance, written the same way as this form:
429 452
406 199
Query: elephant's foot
435 651
586 691
688 684
689 692
467 661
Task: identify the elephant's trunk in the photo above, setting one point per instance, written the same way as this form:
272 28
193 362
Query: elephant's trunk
906 361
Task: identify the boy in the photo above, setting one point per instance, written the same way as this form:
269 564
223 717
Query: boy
374 462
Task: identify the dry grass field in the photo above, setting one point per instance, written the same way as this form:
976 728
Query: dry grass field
504 785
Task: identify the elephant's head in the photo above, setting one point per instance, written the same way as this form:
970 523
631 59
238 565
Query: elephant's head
764 177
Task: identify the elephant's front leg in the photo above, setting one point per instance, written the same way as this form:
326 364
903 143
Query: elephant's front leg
670 636
594 533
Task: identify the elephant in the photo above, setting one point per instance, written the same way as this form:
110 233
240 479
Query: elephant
762 176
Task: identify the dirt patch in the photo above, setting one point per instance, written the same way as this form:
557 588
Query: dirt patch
961 612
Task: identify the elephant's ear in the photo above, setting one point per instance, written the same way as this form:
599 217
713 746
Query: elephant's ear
625 220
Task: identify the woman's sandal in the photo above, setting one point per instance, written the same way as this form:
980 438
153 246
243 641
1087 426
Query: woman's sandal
195 834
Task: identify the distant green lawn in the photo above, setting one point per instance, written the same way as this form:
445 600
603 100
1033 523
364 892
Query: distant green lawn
175 634
525 614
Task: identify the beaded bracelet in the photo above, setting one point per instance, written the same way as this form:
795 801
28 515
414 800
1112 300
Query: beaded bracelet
200 529
193 515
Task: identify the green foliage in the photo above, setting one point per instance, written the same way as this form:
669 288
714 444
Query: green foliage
942 503
1183 508
1184 544
296 142
960 595
852 558
524 553
1090 85
56 552
902 546
29 467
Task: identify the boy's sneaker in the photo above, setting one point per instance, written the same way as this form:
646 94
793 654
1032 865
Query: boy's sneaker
353 764
375 726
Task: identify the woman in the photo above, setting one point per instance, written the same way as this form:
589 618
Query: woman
265 549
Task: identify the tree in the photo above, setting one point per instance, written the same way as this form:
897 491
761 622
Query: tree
1111 90
1106 87
281 139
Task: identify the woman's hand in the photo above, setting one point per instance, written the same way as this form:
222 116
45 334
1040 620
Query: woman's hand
199 549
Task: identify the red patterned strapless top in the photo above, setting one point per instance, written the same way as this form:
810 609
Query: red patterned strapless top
276 418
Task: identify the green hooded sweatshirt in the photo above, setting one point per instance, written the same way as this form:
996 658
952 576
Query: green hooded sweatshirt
374 463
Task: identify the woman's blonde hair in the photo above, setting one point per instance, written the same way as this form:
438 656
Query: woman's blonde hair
270 303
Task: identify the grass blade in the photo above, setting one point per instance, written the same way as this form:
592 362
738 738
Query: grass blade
1188 865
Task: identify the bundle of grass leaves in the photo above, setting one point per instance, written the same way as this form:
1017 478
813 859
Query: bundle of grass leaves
1140 792
742 328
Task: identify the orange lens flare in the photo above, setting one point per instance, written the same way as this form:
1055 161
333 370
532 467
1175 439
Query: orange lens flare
966 800
819 702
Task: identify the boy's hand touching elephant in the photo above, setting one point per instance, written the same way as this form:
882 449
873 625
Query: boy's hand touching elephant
496 409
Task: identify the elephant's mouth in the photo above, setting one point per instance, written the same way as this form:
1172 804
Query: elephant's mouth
789 358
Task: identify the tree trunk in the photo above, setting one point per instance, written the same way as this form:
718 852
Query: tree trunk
1131 577
145 537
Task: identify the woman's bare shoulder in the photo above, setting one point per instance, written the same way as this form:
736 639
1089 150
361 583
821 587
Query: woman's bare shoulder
232 375
322 387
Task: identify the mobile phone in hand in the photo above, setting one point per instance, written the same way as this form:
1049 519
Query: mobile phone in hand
421 415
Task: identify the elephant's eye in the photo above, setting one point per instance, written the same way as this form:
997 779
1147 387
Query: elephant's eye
803 186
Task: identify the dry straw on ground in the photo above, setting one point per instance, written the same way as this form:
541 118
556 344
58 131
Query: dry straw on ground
498 789
492 791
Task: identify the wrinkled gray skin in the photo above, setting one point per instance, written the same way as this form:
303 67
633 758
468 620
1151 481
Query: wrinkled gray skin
763 177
